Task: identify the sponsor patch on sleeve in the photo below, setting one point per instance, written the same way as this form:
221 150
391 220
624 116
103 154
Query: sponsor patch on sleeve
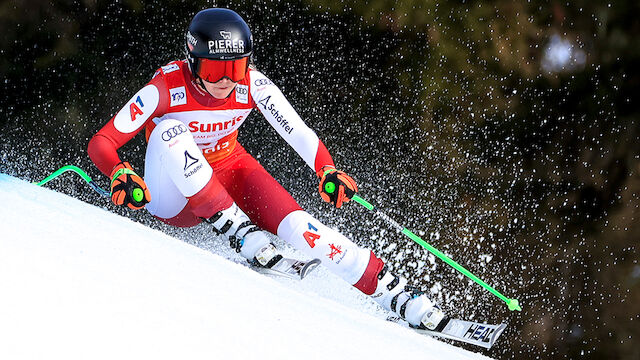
170 68
178 96
259 80
242 94
262 82
136 112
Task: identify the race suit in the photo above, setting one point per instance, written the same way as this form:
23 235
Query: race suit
195 166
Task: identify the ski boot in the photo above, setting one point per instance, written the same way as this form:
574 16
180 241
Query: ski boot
245 237
408 302
255 245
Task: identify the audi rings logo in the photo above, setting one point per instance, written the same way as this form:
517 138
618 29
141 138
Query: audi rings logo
262 82
242 90
173 132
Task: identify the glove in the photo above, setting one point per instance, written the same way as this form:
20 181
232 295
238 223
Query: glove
336 187
127 188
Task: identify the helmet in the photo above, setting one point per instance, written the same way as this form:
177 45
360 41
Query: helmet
218 44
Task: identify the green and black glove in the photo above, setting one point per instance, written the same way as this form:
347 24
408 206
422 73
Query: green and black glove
336 187
128 188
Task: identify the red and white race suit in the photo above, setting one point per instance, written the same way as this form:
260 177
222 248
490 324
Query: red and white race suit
195 166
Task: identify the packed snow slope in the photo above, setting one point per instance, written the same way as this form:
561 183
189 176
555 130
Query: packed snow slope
79 282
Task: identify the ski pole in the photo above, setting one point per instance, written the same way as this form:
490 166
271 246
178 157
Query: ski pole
513 304
78 171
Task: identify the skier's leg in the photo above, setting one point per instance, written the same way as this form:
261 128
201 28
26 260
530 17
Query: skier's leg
176 172
361 268
271 207
411 303
339 254
185 190
256 192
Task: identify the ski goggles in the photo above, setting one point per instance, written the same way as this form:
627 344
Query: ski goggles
214 70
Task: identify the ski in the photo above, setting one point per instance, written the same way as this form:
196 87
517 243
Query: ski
470 332
291 268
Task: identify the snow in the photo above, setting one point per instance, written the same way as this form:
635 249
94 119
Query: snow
79 282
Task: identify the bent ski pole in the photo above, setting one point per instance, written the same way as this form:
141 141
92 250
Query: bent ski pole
513 304
78 171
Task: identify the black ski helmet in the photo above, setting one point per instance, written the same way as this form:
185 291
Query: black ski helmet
217 34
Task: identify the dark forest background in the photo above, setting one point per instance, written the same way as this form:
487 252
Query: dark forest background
504 132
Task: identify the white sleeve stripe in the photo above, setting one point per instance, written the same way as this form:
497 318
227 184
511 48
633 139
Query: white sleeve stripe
283 118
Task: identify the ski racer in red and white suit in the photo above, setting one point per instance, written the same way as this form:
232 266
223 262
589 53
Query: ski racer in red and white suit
195 168
236 175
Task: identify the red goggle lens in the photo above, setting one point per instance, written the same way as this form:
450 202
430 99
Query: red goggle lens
214 70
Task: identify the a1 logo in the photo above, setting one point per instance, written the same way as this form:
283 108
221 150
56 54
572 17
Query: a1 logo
136 112
311 237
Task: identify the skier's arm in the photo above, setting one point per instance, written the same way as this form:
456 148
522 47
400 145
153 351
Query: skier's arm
127 187
146 104
288 124
286 121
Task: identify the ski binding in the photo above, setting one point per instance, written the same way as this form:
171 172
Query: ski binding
291 268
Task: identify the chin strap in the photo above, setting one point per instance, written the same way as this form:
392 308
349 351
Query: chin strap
201 84
198 80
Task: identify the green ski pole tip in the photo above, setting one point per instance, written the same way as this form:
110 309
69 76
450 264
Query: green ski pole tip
513 305
137 194
330 187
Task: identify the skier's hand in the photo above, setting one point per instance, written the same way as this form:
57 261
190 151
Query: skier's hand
127 188
336 187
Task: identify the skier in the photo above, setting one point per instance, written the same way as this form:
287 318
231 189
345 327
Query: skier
196 170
